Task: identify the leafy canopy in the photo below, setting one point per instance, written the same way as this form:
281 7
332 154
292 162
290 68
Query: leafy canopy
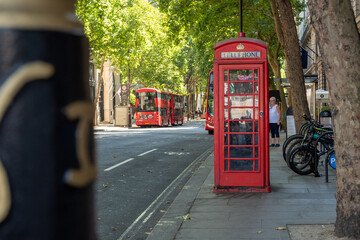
132 34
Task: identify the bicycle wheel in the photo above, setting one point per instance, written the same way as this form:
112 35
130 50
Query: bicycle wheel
288 141
291 146
301 160
304 128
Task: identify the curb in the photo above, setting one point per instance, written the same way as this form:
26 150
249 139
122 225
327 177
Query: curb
170 223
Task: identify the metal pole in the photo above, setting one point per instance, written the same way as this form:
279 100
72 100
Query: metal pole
241 33
47 166
241 19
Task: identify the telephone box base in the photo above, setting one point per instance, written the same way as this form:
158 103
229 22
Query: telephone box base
223 189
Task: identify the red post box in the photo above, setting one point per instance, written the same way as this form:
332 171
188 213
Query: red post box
241 116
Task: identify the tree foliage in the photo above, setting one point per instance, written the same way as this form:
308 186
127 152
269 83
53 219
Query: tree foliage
168 43
208 22
132 34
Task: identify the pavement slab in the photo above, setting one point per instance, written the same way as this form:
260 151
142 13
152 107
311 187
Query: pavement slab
294 200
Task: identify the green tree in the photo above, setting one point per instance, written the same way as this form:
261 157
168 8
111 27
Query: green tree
132 35
208 22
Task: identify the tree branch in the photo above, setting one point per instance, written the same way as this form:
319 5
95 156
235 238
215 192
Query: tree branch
278 25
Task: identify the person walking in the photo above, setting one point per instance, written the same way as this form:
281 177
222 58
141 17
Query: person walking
274 119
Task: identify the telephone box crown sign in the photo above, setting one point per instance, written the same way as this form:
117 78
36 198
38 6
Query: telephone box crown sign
240 47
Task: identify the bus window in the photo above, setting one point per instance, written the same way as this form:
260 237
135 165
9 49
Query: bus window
146 101
210 105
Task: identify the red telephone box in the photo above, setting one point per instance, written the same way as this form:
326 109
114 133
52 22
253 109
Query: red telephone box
241 116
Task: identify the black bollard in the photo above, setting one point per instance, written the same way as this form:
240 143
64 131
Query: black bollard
47 166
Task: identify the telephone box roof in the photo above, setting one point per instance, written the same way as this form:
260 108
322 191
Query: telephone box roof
241 39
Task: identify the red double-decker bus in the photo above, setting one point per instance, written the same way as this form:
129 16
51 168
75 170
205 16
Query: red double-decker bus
153 107
177 111
157 108
209 110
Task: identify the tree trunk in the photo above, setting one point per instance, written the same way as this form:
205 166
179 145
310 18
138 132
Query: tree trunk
287 32
275 66
196 97
272 85
339 43
97 96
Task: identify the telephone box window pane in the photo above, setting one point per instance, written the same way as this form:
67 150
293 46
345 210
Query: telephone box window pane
256 152
241 126
241 113
241 165
226 152
256 165
256 100
241 139
225 75
225 126
226 114
241 88
256 75
241 152
241 75
256 113
256 88
225 101
226 87
241 101
256 139
256 126
226 165
226 139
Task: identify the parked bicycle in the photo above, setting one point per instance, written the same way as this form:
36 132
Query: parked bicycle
302 152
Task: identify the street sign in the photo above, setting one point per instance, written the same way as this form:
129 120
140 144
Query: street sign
124 93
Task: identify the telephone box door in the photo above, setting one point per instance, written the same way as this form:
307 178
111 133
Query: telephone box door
241 124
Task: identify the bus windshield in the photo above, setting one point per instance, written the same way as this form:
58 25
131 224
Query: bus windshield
146 102
210 99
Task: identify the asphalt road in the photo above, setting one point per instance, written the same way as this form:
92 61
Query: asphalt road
141 171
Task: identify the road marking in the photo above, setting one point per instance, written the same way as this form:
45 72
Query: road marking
119 164
162 196
142 154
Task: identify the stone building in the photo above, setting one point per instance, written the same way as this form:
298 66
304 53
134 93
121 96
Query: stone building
315 77
108 97
309 42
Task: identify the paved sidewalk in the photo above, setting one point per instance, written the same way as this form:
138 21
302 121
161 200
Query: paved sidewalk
104 127
198 213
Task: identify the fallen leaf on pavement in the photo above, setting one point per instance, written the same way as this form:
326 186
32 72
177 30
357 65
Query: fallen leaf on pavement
162 211
168 202
114 229
114 156
259 232
105 186
281 228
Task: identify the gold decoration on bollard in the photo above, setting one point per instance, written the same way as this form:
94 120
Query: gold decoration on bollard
27 73
5 195
87 173
39 15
